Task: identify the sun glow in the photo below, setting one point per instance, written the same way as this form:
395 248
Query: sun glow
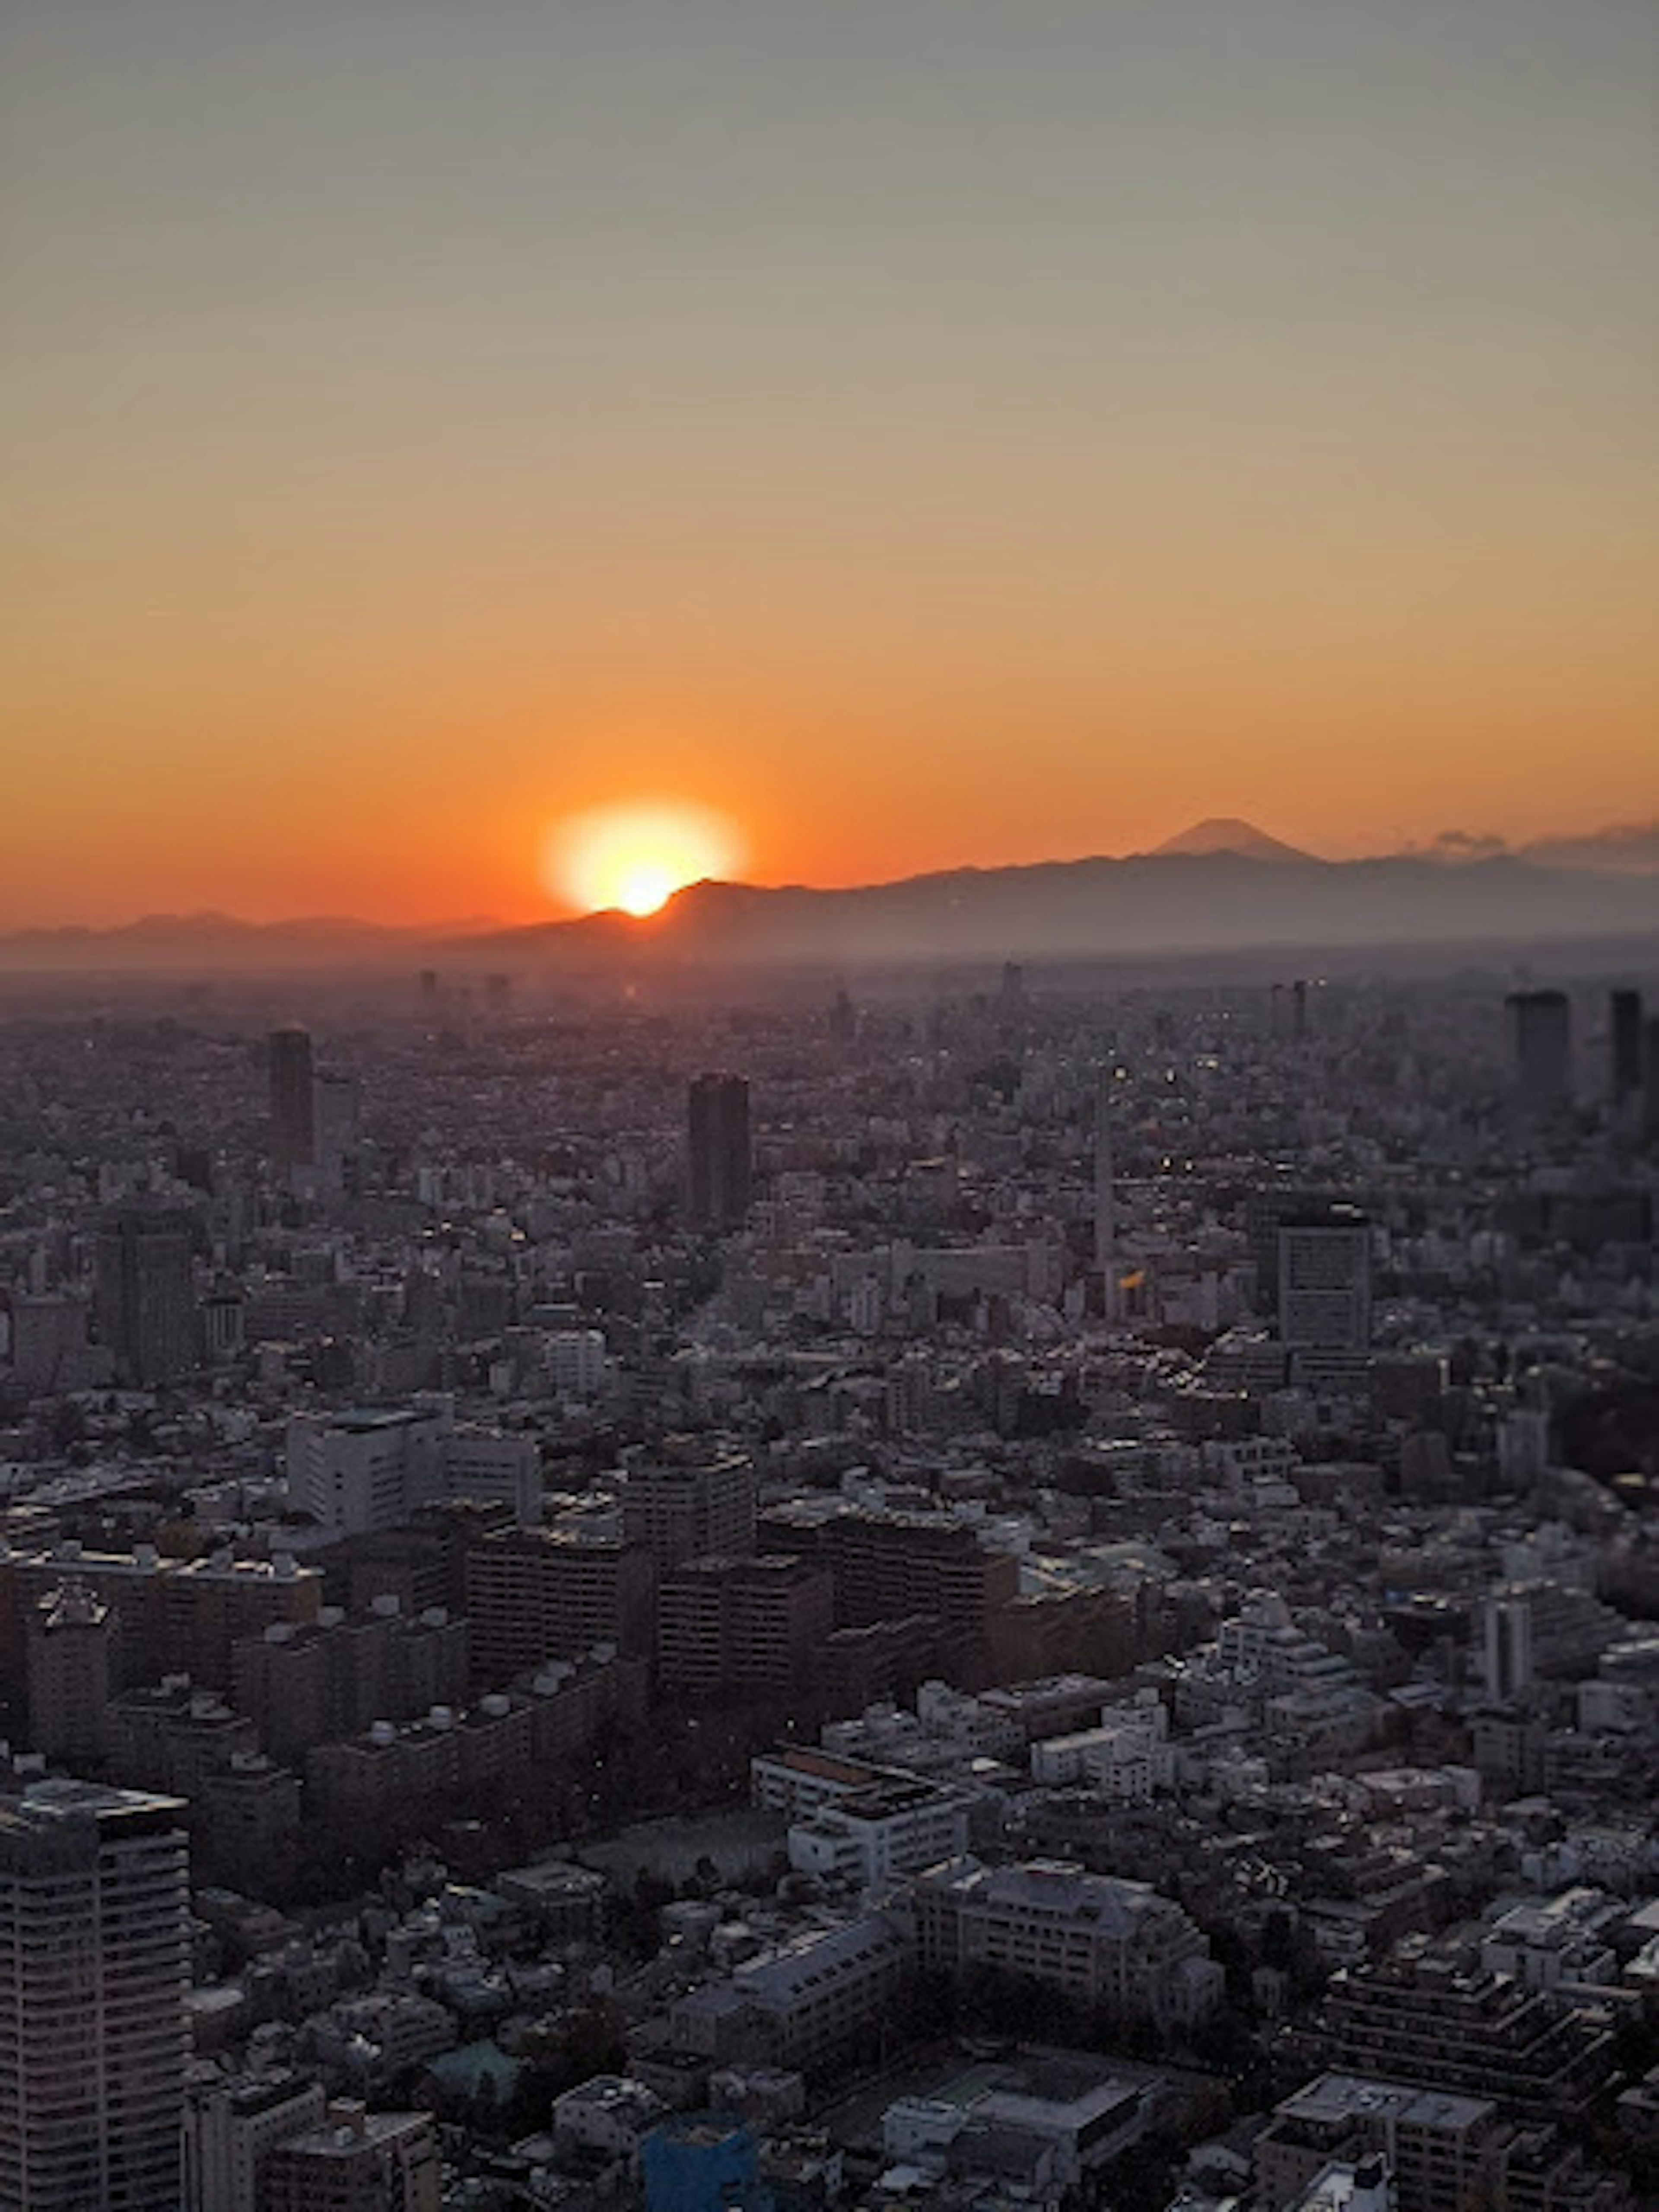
635 857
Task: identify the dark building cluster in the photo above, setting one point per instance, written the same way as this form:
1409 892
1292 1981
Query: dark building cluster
954 1594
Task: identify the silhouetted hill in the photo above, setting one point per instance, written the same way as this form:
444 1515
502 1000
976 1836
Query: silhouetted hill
1630 848
219 940
1180 902
1150 904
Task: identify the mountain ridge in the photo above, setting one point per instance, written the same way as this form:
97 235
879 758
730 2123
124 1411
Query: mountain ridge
1221 885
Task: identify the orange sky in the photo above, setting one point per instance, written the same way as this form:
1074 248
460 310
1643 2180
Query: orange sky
941 434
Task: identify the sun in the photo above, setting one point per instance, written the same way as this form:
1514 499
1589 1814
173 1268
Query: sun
635 857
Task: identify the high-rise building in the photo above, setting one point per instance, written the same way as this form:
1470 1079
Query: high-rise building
720 1160
1105 1200
1650 1079
232 2126
538 1594
1540 1026
1325 1280
146 1295
176 1616
748 1625
889 1566
1624 1043
335 1105
69 1634
687 1504
293 1097
95 1934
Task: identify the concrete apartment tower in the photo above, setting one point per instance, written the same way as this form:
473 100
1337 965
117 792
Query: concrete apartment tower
69 1645
95 1934
720 1156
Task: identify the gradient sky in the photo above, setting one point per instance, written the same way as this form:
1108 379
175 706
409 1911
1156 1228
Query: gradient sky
929 431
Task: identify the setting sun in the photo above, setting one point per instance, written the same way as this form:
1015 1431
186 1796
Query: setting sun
635 857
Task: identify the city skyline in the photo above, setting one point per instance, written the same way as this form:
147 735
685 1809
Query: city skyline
1022 433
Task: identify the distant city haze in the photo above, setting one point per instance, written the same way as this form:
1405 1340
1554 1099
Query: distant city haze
945 434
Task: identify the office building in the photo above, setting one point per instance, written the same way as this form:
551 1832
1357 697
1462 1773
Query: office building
231 2125
684 1505
370 1467
718 1156
292 1074
1106 1255
95 1918
1540 1032
1265 1210
1624 1044
358 2161
145 1299
575 1362
1325 1280
336 1108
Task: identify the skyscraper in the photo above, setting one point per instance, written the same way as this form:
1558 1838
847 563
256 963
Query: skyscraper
720 1166
293 1097
1624 1039
1542 1029
336 1104
1325 1280
1105 1200
94 1932
146 1294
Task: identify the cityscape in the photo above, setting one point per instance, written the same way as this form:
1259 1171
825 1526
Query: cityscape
1008 1589
828 1106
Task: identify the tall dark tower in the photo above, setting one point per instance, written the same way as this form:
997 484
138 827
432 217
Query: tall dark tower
718 1158
292 1098
146 1295
1541 1031
1624 1017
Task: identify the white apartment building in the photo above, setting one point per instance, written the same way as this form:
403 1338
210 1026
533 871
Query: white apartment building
896 1828
947 1727
1262 1645
797 1779
231 2127
575 1362
370 1468
1125 1760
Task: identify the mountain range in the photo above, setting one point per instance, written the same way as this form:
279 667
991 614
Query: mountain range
1221 885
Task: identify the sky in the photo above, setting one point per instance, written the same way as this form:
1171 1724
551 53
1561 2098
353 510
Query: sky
922 432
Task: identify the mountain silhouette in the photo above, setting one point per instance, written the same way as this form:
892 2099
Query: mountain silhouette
1225 833
1222 887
